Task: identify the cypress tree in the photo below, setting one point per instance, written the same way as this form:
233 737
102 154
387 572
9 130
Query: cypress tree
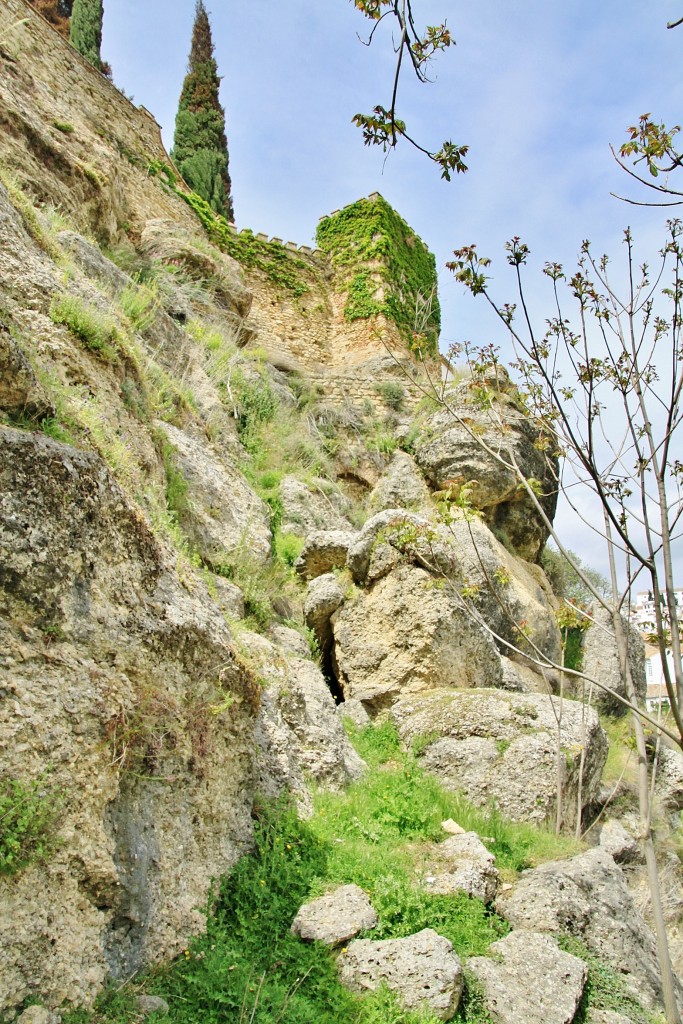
200 148
86 30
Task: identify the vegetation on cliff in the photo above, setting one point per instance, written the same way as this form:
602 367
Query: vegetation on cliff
200 147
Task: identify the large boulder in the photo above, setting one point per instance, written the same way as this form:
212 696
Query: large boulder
462 863
401 485
601 661
335 918
530 981
587 897
317 505
494 745
126 683
421 969
496 587
407 634
299 735
469 450
323 551
221 513
323 597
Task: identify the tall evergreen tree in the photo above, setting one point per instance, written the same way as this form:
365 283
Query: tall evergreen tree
200 148
86 30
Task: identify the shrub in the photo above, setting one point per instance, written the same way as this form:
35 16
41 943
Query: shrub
94 329
391 393
288 547
28 817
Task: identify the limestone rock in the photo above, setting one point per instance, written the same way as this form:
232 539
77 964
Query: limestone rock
463 555
669 780
355 712
93 263
619 843
450 454
171 243
533 982
422 970
521 678
335 918
308 508
323 551
228 597
323 596
508 594
223 512
289 640
38 1015
151 1004
587 897
462 863
401 485
298 733
20 391
396 535
601 661
112 666
496 745
405 635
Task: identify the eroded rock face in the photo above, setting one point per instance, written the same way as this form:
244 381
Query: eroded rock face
308 508
601 661
323 597
450 454
223 514
462 863
401 485
169 242
299 735
587 897
335 918
531 981
129 686
405 635
323 551
501 746
421 969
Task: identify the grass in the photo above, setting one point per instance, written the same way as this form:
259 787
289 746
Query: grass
605 988
96 330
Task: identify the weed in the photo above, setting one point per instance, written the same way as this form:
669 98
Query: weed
64 127
140 303
392 393
288 547
605 988
96 330
29 812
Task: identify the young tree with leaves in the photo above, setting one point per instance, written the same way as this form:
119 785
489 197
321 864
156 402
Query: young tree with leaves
86 30
200 147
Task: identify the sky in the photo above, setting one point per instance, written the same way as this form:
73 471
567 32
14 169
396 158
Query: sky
538 90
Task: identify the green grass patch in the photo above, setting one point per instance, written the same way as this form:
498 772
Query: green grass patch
96 330
605 989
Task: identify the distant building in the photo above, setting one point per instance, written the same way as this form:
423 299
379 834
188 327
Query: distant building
643 616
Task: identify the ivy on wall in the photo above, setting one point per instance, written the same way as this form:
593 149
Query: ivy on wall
385 269
281 267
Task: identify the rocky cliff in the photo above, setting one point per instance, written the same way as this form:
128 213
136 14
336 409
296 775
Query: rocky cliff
224 515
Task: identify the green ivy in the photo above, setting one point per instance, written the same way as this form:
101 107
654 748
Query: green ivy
281 267
370 233
29 814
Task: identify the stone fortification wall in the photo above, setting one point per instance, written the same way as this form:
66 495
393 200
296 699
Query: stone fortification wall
71 137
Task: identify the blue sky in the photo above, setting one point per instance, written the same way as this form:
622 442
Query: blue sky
537 89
